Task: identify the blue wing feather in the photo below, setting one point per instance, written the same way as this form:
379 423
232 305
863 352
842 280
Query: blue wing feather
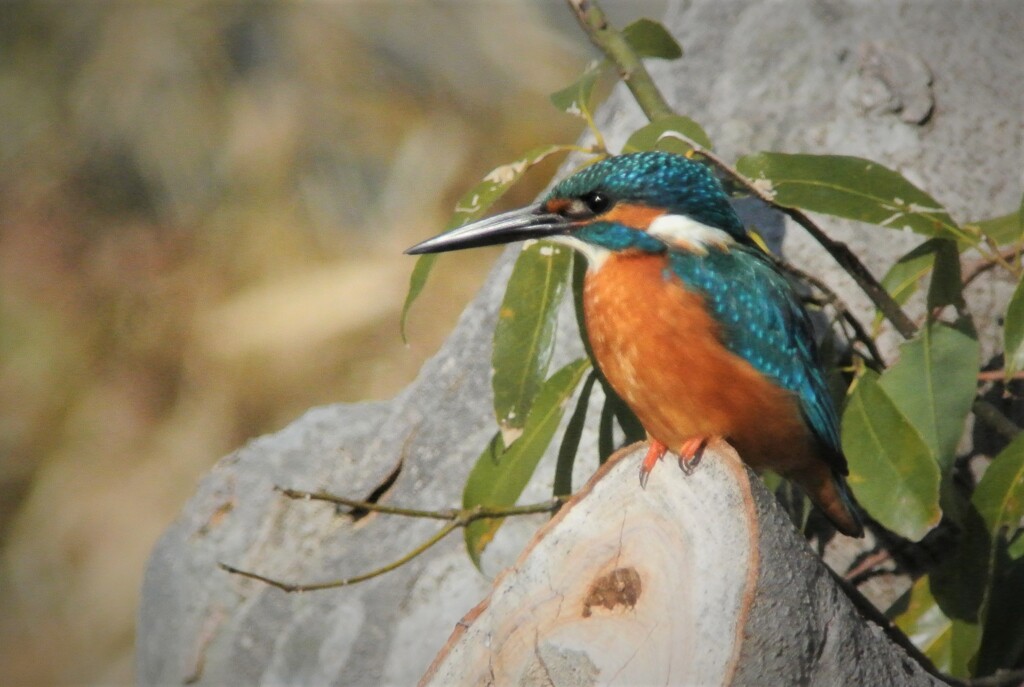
764 323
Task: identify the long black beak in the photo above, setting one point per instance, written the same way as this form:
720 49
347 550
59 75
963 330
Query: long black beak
531 222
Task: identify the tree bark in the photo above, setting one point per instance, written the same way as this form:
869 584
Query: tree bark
697 579
828 76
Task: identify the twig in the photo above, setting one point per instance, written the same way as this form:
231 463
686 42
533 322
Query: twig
860 333
631 68
840 252
456 518
316 586
997 375
982 266
357 505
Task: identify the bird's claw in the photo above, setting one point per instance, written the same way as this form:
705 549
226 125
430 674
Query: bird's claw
691 453
654 454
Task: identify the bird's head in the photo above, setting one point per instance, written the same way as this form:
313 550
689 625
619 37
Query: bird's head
648 202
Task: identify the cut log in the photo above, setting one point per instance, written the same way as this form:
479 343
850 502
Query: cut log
696 579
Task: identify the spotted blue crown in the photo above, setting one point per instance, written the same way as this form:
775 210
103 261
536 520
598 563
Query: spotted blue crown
660 180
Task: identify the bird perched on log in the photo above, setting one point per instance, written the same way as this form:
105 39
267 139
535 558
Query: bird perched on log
692 324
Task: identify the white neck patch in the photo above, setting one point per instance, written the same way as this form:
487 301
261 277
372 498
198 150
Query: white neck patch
595 255
680 231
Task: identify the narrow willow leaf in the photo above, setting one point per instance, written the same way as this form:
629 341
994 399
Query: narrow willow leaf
903 278
627 419
499 477
950 644
853 188
947 286
1002 643
999 496
575 98
1016 546
472 206
649 38
1003 229
1013 332
892 472
524 338
960 577
570 445
675 134
417 280
933 384
606 432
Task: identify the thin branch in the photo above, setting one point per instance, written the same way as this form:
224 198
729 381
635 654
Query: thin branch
631 68
997 375
982 266
357 505
316 586
456 518
860 332
840 252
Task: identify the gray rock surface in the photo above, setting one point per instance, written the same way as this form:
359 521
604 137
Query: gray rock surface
829 76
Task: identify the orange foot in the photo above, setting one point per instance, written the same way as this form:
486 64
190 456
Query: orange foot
690 454
654 454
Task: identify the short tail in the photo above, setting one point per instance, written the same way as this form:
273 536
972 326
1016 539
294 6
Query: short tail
852 525
830 493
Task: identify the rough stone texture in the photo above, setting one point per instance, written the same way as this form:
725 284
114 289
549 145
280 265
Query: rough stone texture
802 629
827 76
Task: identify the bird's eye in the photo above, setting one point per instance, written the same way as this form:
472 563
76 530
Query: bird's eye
596 201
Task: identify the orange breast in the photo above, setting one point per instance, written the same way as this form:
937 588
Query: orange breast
661 351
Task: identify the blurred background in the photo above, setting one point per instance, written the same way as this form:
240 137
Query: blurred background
203 207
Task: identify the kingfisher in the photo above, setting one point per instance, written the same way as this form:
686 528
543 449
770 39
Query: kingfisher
692 324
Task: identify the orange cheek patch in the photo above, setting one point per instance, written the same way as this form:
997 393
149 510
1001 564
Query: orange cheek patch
634 216
556 205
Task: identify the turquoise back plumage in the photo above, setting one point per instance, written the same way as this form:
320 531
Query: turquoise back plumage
764 323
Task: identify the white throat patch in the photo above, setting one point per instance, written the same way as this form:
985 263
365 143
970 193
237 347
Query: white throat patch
595 255
680 231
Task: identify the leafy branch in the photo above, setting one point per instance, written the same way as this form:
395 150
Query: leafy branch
455 518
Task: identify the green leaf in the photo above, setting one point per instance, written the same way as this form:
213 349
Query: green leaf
570 445
649 38
960 577
933 384
417 280
606 432
892 472
902 279
1003 229
628 421
947 285
674 134
1002 644
575 98
853 188
950 644
1013 332
999 496
499 476
472 206
524 338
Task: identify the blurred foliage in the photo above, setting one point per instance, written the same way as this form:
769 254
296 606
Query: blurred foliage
202 211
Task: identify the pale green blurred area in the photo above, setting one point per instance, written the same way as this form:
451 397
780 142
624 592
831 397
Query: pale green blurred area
202 212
